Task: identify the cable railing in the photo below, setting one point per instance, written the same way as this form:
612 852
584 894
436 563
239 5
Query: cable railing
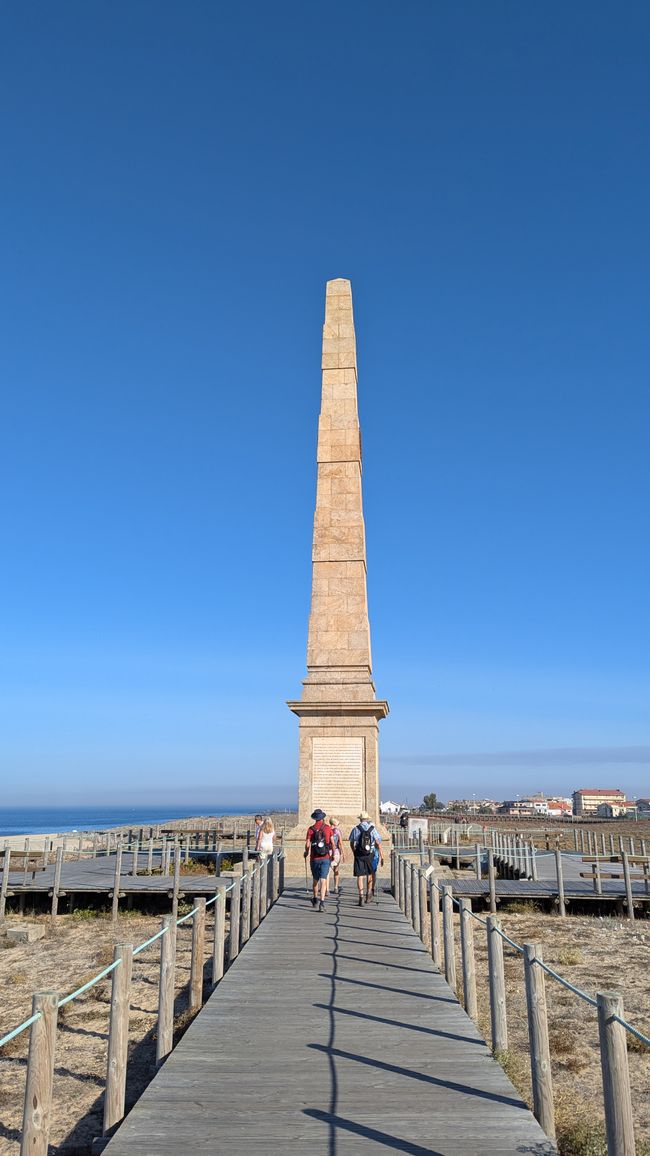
423 899
252 895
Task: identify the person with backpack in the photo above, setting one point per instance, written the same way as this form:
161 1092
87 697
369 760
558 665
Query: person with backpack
364 841
318 846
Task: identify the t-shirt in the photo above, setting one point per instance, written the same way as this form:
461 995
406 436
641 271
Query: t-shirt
355 834
320 826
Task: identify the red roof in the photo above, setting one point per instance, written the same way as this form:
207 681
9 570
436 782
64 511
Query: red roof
597 791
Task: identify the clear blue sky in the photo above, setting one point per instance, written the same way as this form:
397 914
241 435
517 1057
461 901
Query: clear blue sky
178 182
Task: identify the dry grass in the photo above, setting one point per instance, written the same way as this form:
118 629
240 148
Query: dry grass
71 953
595 954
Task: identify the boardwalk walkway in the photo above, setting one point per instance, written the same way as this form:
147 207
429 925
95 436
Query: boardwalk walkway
96 876
331 1034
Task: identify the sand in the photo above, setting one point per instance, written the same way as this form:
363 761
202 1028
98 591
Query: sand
78 947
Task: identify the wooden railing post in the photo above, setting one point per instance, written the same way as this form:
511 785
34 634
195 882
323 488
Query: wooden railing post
560 882
616 1076
235 921
407 889
434 916
394 875
56 885
6 866
540 1056
219 934
118 1037
628 885
423 905
134 858
166 987
496 976
492 881
598 887
402 883
177 879
264 887
198 955
255 897
469 964
448 935
40 1076
479 852
276 876
415 898
116 883
282 866
245 927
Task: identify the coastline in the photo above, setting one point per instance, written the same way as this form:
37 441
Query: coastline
78 839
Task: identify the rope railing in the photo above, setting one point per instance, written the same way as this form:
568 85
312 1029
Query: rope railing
415 890
111 967
252 895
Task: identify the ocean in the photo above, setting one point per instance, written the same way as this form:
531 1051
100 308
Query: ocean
42 820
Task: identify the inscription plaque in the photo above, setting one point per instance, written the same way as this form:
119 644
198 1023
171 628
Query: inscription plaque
337 775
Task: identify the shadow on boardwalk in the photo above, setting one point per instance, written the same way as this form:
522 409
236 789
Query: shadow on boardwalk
370 1052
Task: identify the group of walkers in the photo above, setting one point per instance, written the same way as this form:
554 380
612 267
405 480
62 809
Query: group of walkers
324 847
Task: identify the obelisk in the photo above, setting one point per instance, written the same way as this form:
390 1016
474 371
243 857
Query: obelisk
339 711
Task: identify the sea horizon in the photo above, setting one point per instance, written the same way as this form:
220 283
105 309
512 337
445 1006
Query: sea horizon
30 820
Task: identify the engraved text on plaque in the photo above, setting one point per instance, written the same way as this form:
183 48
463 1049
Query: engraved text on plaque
337 775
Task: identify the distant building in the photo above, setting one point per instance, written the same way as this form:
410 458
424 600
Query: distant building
611 810
390 808
558 808
516 807
587 800
643 806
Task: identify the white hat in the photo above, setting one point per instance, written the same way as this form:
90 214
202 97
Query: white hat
364 815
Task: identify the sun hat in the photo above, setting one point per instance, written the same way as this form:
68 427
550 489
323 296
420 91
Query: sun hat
318 814
364 815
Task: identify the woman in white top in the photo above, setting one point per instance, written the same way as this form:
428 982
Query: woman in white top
265 837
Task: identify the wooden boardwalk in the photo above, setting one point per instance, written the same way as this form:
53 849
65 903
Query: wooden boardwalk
331 1034
89 876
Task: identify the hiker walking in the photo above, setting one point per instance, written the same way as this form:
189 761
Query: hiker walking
364 839
318 846
265 837
338 855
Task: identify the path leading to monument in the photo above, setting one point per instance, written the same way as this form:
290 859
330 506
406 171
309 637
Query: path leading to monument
331 1034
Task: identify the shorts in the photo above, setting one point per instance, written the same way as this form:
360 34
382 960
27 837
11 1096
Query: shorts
363 865
320 868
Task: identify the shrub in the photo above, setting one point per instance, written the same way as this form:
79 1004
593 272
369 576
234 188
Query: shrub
570 956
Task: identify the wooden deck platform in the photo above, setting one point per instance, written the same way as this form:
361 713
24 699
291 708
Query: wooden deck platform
89 876
331 1034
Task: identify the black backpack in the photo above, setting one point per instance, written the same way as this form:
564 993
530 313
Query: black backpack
363 845
319 844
